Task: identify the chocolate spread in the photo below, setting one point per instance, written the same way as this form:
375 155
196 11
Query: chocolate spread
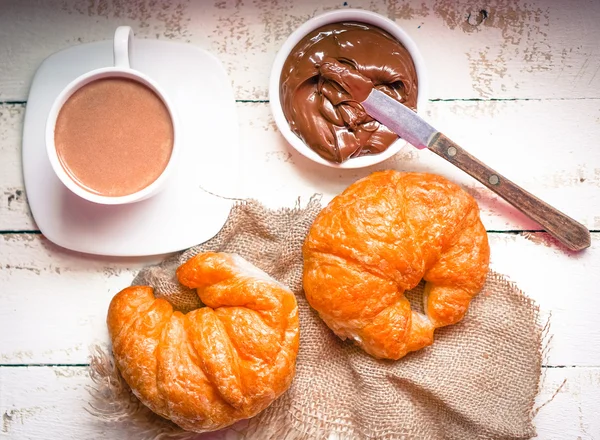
326 77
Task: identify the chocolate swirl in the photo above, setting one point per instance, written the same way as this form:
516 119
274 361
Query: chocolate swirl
326 77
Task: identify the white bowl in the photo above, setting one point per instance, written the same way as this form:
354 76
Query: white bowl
343 15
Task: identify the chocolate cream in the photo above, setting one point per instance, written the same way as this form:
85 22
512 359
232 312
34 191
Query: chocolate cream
326 77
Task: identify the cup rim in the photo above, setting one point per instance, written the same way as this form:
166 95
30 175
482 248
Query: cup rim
62 98
340 15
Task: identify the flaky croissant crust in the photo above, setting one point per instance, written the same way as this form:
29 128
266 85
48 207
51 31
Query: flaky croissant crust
379 238
218 364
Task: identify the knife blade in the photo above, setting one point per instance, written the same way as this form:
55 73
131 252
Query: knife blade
400 119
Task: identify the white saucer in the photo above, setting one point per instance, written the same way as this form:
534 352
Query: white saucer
188 211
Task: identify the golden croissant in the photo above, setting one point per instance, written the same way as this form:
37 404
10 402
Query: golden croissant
215 365
378 239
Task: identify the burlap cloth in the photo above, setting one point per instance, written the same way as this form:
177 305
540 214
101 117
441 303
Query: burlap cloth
477 381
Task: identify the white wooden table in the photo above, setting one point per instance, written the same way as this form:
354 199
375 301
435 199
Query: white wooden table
516 83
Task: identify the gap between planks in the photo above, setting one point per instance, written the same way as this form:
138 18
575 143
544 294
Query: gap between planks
266 101
489 231
42 365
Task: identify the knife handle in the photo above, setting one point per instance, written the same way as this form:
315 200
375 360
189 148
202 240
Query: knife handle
572 234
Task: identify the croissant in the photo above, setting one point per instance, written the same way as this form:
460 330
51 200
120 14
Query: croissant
215 365
378 239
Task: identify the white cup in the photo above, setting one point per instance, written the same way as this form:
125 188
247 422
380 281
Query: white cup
122 47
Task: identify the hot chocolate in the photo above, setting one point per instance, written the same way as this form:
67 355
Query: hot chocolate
114 136
326 76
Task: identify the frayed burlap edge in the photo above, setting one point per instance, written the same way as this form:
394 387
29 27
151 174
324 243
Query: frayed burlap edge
113 402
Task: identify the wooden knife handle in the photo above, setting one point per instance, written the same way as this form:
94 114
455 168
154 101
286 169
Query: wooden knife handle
573 234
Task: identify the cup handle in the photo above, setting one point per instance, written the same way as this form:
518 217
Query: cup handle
123 46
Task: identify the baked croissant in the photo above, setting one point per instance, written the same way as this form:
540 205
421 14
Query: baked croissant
379 238
218 364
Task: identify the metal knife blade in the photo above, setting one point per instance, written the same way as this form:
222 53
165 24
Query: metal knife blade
399 118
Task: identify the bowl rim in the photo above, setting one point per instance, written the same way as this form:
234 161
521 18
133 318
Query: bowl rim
340 15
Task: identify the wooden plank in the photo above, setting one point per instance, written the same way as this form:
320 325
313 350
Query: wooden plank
54 302
573 412
564 284
556 160
14 210
499 49
50 402
70 294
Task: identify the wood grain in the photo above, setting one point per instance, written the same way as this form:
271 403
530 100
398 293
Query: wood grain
514 49
494 131
508 78
569 232
52 403
49 403
54 301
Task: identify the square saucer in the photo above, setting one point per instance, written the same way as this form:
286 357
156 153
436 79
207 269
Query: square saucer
194 204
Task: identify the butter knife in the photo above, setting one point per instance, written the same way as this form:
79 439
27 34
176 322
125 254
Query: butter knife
412 128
